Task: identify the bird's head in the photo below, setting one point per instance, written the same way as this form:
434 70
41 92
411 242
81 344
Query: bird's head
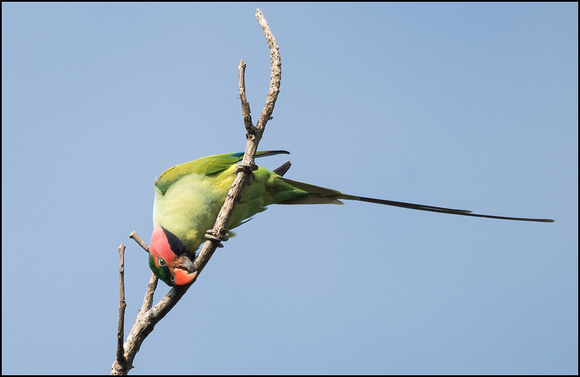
169 258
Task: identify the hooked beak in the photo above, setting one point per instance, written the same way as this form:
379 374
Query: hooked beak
183 270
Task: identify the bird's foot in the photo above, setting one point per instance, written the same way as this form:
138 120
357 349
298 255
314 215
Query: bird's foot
211 235
248 169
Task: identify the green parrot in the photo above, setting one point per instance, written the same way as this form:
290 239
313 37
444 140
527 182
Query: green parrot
188 198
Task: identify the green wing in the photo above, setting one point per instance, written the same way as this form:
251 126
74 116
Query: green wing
204 166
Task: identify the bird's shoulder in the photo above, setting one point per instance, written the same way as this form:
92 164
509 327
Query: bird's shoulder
202 166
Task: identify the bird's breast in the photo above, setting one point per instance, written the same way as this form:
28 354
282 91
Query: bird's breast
189 207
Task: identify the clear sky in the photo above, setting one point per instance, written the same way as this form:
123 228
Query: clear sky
468 106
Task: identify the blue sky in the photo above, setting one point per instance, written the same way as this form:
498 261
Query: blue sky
462 105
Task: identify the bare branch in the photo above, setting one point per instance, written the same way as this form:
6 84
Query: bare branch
151 287
220 228
138 239
245 105
121 361
149 316
275 72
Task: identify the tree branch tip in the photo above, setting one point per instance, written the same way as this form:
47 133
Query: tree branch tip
139 241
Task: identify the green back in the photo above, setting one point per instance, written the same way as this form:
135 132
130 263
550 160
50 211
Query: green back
189 196
205 166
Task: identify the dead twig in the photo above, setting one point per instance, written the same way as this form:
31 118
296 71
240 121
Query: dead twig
139 241
122 305
149 316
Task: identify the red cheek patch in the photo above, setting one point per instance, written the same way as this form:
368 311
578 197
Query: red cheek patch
160 246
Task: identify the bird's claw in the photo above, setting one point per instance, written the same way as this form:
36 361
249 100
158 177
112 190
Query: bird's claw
248 169
211 235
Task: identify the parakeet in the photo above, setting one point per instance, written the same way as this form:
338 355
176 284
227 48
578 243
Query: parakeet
188 198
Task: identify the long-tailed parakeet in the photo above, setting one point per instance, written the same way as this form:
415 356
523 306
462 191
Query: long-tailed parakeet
188 198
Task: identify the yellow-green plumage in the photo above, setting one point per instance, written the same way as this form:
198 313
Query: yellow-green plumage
188 197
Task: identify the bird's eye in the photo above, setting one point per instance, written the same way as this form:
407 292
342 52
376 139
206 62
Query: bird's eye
161 262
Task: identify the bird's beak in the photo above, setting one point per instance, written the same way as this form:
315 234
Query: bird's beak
183 270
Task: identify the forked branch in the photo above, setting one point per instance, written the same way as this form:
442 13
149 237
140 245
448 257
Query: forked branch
149 316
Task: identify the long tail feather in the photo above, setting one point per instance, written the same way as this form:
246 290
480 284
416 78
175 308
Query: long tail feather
441 209
321 195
